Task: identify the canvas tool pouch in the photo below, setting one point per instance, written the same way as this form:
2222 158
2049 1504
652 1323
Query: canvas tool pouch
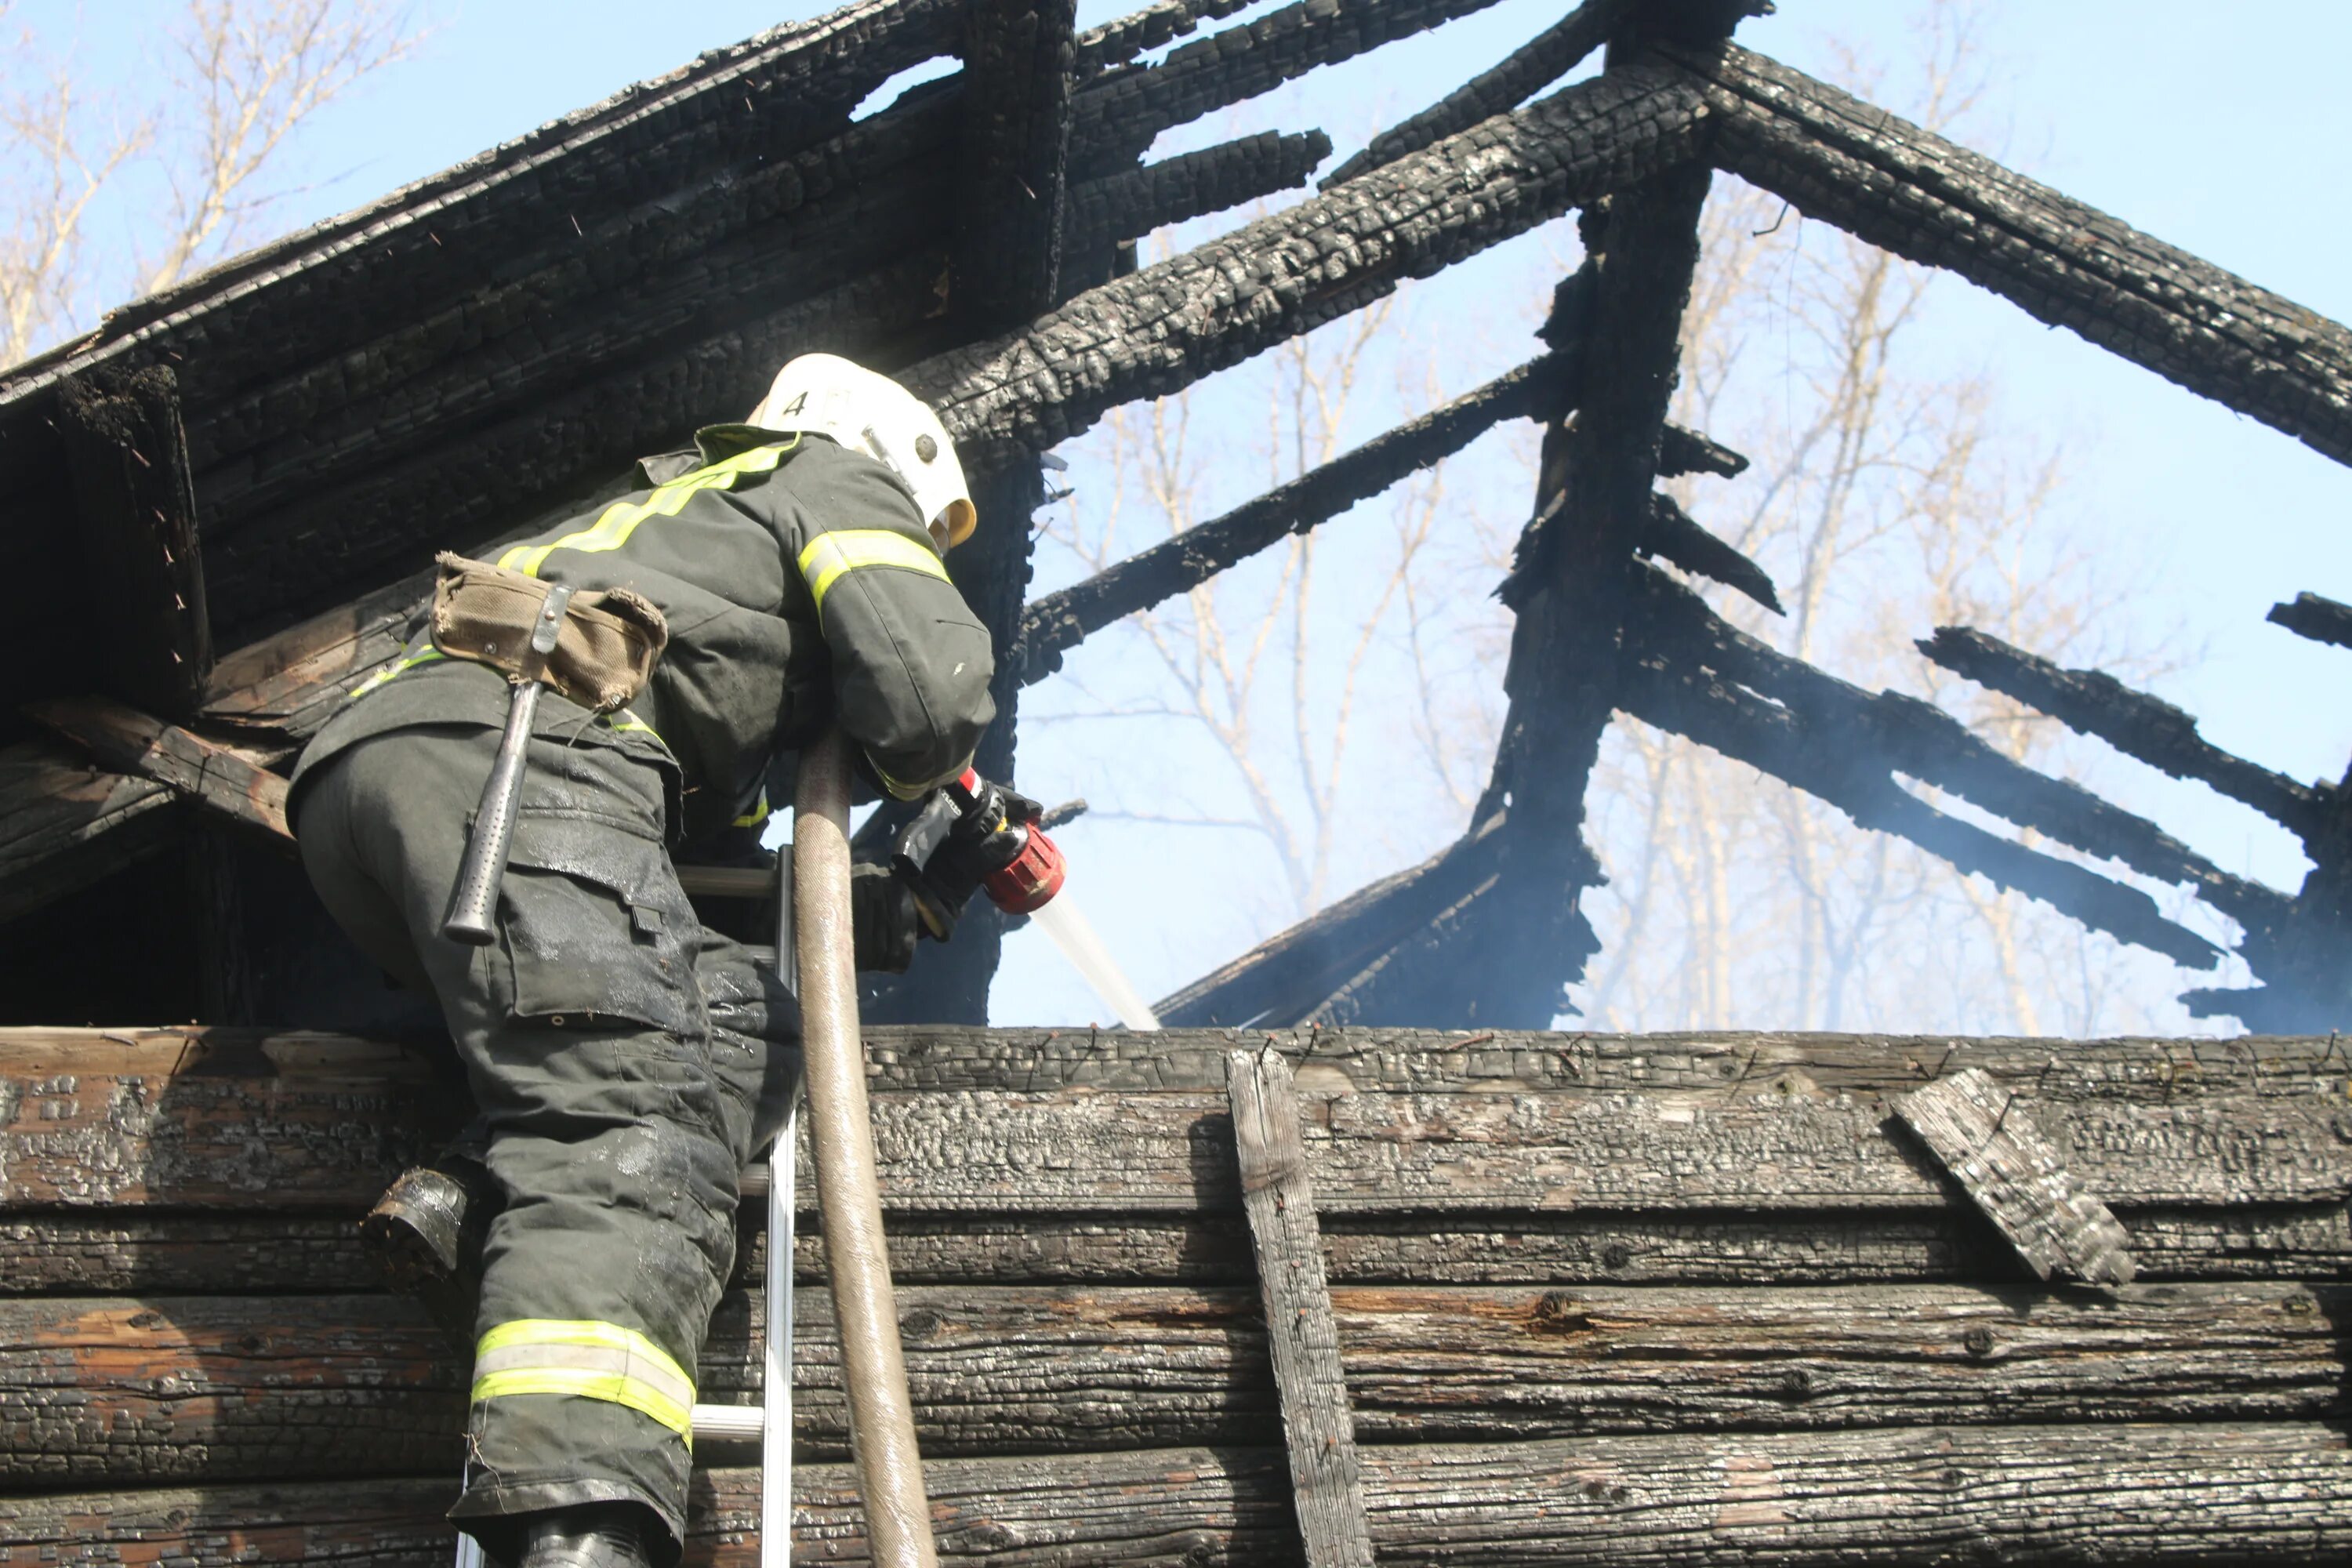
604 654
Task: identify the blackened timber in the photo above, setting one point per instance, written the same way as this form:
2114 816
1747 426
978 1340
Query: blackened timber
1119 114
1689 452
1922 741
1173 324
1530 935
1135 202
1666 683
228 1387
1301 1329
2016 1180
1020 63
1542 60
280 691
1674 535
2121 1493
1060 620
1117 42
134 1252
148 634
2137 724
225 785
345 537
1907 189
305 295
1726 1066
2320 619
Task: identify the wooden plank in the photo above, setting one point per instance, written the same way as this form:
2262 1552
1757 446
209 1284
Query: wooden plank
102 1252
149 633
306 1145
2017 1180
1303 1336
225 1388
225 783
65 824
1726 1066
2120 1495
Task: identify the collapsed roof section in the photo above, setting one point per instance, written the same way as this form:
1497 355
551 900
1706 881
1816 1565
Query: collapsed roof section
459 358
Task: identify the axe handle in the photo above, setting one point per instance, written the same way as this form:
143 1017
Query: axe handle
474 901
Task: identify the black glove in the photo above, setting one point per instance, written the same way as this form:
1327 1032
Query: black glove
954 846
882 918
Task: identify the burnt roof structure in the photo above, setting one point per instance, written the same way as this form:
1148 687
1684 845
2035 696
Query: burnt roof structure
1545 1252
256 463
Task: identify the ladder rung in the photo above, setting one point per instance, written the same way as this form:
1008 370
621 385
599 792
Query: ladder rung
728 1423
729 881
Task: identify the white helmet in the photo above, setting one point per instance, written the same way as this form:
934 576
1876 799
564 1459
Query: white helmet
874 415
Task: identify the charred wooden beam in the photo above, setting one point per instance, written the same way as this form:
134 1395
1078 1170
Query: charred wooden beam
276 693
222 783
1060 620
1020 66
1674 535
127 1252
1119 114
1723 1065
2320 619
320 290
1847 163
148 638
1687 452
1923 741
2124 1493
221 1388
1109 1152
1837 750
1176 323
2147 727
65 824
1117 42
1135 202
1542 60
1300 1330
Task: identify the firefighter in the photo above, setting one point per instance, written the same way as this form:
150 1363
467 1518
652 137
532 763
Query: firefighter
625 1062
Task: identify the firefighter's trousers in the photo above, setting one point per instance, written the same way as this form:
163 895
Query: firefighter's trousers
618 1059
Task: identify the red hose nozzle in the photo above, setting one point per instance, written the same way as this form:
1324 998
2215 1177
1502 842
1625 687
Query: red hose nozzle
1029 881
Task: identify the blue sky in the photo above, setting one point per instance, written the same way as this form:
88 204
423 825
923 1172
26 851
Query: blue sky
2222 131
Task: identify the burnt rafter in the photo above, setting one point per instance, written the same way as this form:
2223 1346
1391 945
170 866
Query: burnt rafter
1020 66
1135 202
1542 60
1833 754
2147 727
1119 113
1877 175
1171 324
2320 619
1117 42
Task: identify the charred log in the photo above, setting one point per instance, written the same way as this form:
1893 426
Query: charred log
1886 179
1171 324
2320 619
1118 114
1135 202
1115 43
2148 728
1544 59
1020 66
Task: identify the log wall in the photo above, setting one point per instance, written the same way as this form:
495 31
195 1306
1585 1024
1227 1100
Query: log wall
1659 1298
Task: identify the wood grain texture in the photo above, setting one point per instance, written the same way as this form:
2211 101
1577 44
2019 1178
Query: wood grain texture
65 824
2012 1174
2029 1496
1302 1335
227 1387
223 784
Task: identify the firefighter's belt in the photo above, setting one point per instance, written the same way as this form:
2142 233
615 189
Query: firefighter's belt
604 654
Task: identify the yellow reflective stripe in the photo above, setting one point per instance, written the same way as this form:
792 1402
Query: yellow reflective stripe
913 791
757 815
829 556
588 1360
611 530
388 671
627 722
612 1387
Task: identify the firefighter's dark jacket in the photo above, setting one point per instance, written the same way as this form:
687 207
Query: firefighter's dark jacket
799 583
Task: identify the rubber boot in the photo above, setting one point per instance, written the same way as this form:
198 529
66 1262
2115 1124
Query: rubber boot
600 1535
426 1236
